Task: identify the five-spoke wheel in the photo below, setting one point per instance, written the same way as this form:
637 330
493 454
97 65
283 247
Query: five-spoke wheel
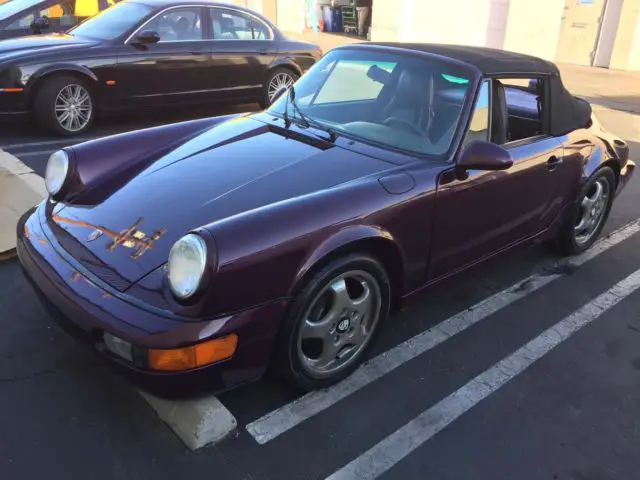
592 210
332 321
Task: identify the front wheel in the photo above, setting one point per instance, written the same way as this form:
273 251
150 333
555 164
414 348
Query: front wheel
592 211
278 78
64 105
332 322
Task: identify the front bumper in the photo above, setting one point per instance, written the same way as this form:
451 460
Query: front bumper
87 309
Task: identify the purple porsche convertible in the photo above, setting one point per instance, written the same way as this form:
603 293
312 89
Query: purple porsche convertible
208 252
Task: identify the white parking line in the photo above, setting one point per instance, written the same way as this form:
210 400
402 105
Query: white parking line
33 154
384 455
288 416
48 142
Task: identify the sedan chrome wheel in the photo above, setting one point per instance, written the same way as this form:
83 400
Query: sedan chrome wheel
339 324
73 108
278 81
593 209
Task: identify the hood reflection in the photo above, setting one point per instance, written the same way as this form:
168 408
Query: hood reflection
130 237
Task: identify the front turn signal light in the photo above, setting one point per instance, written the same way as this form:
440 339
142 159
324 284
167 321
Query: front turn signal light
193 356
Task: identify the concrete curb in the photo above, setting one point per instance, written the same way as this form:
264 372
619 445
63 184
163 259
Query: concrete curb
20 189
198 423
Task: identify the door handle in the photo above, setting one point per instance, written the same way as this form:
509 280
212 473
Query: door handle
197 52
263 51
553 162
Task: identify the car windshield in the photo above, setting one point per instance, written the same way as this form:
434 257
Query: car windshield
405 102
15 6
113 22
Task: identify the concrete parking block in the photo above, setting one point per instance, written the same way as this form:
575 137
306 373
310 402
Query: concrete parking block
198 423
20 189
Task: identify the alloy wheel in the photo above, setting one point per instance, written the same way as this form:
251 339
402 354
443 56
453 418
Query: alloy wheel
73 108
279 80
593 209
339 323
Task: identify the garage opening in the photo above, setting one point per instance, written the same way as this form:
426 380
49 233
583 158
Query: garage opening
344 17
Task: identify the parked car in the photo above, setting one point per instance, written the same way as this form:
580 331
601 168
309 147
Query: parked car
19 18
204 252
151 53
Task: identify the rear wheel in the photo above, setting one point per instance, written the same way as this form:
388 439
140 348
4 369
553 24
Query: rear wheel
64 105
278 78
584 227
332 322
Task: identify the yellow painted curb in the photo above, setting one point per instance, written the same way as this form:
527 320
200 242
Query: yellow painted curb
20 189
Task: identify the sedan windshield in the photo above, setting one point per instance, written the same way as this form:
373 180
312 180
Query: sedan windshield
113 22
404 102
15 6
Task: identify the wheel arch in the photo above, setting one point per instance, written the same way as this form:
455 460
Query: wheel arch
38 79
283 63
359 239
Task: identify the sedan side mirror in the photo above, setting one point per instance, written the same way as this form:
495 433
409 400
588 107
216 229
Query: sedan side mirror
480 155
147 37
40 23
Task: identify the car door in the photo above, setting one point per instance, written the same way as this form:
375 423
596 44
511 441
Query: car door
173 70
243 48
487 212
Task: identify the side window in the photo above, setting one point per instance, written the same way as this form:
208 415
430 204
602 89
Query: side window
177 25
232 25
524 106
353 81
61 14
479 126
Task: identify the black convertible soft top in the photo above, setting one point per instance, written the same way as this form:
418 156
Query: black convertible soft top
567 112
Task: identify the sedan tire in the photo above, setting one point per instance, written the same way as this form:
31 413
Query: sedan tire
332 322
64 105
277 78
592 211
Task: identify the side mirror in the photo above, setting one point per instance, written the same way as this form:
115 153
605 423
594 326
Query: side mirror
40 23
480 155
147 37
281 91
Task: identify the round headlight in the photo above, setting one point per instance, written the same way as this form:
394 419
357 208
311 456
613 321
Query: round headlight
187 261
56 173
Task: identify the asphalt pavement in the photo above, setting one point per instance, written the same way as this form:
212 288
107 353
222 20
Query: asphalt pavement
524 368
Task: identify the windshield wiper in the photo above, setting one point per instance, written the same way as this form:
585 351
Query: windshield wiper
307 121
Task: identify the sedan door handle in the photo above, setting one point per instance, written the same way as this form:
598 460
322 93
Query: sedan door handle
197 52
263 51
553 162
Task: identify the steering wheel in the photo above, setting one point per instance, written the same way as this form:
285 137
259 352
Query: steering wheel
403 123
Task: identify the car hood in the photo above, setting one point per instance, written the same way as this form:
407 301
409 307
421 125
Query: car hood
37 43
232 168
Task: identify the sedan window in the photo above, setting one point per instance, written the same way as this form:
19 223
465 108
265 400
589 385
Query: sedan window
113 22
178 25
61 14
234 25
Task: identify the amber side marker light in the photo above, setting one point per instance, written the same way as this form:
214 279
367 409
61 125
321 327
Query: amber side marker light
11 90
193 356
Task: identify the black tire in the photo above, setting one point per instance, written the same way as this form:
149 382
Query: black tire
44 104
566 240
265 98
286 363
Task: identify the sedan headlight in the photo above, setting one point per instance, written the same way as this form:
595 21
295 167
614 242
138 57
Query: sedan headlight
57 171
187 262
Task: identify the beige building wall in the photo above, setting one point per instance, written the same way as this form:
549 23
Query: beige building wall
385 20
627 44
534 31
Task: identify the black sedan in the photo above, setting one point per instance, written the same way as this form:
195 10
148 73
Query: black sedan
148 53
